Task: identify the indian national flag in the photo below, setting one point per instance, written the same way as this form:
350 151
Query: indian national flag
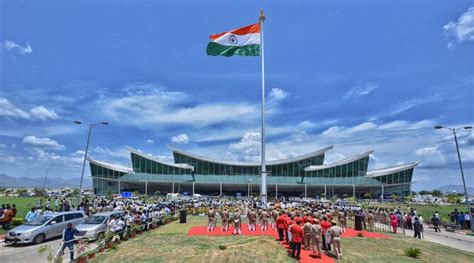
244 41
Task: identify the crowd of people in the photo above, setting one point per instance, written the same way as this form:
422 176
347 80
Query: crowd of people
314 225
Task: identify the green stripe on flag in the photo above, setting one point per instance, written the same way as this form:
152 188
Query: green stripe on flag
214 49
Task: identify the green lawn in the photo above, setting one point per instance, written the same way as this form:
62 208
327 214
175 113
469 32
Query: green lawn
171 244
427 210
23 205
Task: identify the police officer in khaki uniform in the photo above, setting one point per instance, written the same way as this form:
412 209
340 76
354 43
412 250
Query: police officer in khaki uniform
336 233
225 220
211 219
252 217
342 220
316 233
264 220
237 223
307 234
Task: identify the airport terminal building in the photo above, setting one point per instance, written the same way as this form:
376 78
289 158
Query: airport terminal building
306 176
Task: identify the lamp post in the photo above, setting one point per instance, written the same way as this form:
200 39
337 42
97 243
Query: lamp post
91 125
45 178
453 130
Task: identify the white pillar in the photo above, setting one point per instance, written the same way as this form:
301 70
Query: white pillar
220 189
118 186
193 188
248 189
172 188
354 190
325 192
276 190
146 188
305 190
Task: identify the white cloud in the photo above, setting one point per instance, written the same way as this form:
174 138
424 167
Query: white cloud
347 131
106 153
43 142
180 139
3 146
141 104
443 153
361 90
274 98
248 149
404 125
7 159
461 30
332 157
43 113
7 109
10 46
406 105
150 141
277 94
40 156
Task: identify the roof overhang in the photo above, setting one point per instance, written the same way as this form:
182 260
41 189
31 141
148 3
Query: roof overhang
154 159
391 170
340 162
111 166
237 163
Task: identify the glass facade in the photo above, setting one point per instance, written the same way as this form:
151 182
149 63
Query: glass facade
104 180
289 169
141 164
401 180
343 174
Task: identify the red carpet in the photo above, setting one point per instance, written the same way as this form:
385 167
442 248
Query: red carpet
353 233
202 231
305 254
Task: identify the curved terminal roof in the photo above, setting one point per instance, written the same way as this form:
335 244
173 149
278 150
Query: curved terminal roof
110 166
391 170
151 158
237 163
340 162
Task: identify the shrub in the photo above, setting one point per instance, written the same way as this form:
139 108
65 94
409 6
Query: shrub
114 246
360 234
412 252
222 247
17 221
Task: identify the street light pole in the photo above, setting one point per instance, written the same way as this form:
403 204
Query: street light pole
453 130
91 125
45 178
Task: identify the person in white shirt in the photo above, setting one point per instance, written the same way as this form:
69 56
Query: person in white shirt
112 225
120 225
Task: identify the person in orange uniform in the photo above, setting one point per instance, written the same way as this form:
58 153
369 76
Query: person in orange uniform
280 224
287 224
299 219
325 225
297 238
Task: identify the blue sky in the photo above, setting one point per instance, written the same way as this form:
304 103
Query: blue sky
359 75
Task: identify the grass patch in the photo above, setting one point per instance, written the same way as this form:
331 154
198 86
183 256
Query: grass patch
170 243
412 252
428 210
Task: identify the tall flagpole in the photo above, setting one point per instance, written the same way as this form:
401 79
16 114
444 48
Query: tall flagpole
263 187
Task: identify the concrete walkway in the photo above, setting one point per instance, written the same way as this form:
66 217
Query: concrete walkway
459 241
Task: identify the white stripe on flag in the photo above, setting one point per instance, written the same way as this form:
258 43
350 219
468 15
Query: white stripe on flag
230 39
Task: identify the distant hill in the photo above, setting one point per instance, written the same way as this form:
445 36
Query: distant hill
458 188
52 182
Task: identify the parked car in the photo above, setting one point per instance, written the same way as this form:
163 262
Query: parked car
94 227
43 227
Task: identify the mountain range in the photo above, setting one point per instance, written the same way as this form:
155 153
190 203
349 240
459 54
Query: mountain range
453 187
7 181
